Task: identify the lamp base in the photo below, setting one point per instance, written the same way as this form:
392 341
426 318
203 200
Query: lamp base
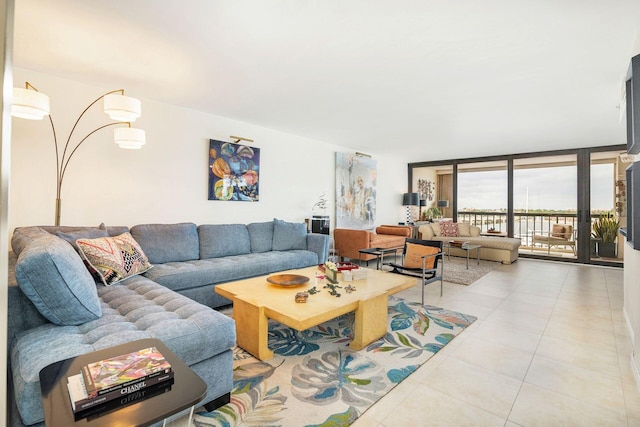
409 216
58 205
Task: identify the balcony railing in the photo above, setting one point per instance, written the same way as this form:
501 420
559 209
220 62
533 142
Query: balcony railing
525 225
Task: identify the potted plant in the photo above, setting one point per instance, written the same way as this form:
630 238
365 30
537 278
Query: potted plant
433 212
606 229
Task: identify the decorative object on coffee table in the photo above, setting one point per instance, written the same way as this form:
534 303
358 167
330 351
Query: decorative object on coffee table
331 270
287 279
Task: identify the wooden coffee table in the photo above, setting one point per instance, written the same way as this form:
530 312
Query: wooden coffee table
255 301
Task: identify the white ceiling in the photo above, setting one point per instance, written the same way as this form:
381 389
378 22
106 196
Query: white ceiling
431 78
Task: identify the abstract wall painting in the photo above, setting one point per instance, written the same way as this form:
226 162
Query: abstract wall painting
234 172
356 177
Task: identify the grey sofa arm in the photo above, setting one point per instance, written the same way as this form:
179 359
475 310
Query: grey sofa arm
319 243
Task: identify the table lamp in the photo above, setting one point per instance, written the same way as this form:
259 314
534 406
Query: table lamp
408 200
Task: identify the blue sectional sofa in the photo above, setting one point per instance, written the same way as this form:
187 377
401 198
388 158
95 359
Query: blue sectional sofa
57 310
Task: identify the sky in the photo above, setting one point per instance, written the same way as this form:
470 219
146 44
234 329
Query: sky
551 188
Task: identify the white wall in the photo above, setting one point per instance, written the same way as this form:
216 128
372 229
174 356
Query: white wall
166 181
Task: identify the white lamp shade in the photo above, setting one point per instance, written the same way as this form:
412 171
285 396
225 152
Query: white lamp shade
131 138
29 104
122 108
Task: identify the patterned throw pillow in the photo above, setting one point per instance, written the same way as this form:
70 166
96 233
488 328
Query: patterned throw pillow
449 229
114 258
413 257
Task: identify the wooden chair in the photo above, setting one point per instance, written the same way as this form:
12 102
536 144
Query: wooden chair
422 263
559 235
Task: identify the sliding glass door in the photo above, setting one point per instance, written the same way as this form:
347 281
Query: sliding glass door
545 205
482 196
559 204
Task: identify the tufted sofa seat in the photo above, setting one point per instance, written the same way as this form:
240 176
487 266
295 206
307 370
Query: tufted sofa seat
136 309
502 249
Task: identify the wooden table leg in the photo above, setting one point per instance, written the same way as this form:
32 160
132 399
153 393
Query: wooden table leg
252 328
370 322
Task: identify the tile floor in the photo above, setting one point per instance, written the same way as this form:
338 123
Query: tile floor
550 348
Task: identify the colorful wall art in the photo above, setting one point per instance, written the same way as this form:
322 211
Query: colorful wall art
234 171
356 177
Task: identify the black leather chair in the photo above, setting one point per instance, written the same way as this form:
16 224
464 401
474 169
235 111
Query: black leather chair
428 275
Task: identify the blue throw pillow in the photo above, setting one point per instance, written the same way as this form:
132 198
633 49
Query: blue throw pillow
89 233
219 240
261 236
51 274
289 235
164 243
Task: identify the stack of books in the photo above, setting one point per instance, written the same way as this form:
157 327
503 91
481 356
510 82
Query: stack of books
119 378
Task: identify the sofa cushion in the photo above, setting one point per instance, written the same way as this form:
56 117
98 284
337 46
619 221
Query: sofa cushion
22 236
223 240
386 241
88 233
426 232
464 229
289 235
168 242
414 254
180 276
558 230
114 258
394 230
52 275
261 236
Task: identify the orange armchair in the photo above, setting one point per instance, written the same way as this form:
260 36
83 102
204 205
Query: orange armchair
348 242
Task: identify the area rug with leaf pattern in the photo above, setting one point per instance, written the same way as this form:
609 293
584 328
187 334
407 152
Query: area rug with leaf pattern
316 379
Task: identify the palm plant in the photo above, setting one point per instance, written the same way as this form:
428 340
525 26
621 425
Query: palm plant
606 228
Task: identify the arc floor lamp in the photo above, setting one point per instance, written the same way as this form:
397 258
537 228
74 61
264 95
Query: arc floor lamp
29 103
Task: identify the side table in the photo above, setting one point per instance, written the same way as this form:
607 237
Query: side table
467 247
379 253
187 390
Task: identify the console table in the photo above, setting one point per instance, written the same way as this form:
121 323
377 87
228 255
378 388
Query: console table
187 390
